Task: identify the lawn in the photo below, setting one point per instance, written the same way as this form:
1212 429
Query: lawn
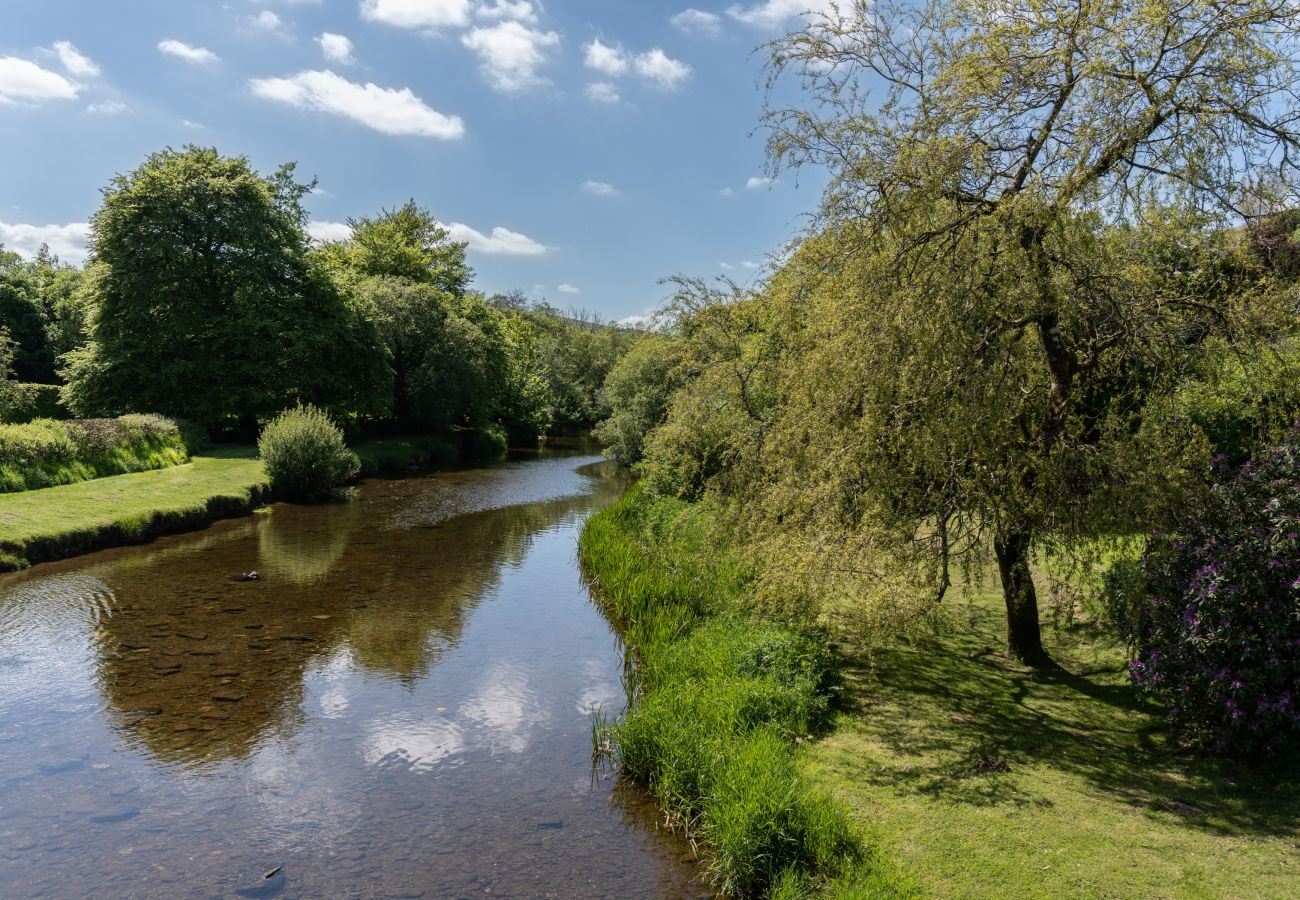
80 514
1094 800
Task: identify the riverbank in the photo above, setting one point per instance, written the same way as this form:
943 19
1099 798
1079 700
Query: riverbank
59 522
223 482
720 703
988 779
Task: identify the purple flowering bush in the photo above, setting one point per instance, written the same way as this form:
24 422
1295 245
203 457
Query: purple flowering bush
1218 637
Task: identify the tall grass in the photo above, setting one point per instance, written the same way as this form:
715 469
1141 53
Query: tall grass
45 452
718 700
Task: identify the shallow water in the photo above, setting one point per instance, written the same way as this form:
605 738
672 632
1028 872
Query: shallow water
398 707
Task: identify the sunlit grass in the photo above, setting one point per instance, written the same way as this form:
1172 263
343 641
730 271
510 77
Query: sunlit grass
1096 801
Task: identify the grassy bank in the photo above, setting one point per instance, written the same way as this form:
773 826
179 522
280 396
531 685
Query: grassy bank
57 522
1093 802
45 452
720 702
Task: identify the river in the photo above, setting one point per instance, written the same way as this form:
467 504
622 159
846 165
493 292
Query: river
398 706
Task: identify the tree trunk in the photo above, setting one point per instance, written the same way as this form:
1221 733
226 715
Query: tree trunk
1024 639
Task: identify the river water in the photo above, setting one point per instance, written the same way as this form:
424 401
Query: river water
399 706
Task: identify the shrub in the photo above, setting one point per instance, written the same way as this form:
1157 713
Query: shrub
305 455
1218 639
34 401
43 452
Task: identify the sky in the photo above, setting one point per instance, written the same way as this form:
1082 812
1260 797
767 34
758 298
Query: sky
585 149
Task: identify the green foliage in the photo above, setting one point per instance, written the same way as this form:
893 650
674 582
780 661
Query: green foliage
1242 402
204 304
45 452
406 243
33 401
636 391
718 700
305 455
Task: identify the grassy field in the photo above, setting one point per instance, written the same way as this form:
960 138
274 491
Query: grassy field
61 521
1093 801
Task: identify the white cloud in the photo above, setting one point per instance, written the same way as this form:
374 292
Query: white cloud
726 267
697 21
417 13
23 81
68 242
510 53
660 68
749 264
775 13
640 320
518 11
604 58
602 92
726 192
268 22
107 107
74 61
569 289
600 188
181 50
389 110
502 241
755 183
329 231
336 47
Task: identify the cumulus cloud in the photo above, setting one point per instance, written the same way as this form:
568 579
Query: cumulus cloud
336 47
268 22
756 183
23 81
602 92
654 65
502 241
569 289
697 21
197 55
600 188
68 242
519 11
325 232
107 107
605 58
74 61
430 14
775 13
510 53
388 110
662 69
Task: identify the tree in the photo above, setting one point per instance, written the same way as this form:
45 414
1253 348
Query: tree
406 242
979 223
205 305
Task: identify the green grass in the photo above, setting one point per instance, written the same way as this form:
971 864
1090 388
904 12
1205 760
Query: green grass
719 702
1095 801
61 521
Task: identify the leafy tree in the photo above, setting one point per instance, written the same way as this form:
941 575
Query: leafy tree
205 306
992 330
406 242
21 313
637 392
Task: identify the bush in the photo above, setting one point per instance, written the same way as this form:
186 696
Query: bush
44 452
34 401
1218 639
305 455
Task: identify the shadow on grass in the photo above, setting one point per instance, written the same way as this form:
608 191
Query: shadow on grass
952 709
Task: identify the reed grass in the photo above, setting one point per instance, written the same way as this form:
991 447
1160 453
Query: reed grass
718 701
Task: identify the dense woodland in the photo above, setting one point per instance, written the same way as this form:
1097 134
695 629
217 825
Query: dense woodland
205 300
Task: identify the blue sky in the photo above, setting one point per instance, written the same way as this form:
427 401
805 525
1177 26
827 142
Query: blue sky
584 148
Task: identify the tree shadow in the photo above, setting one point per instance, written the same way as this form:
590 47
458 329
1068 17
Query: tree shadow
952 707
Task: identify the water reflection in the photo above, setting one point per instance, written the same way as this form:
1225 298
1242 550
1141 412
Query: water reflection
398 704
